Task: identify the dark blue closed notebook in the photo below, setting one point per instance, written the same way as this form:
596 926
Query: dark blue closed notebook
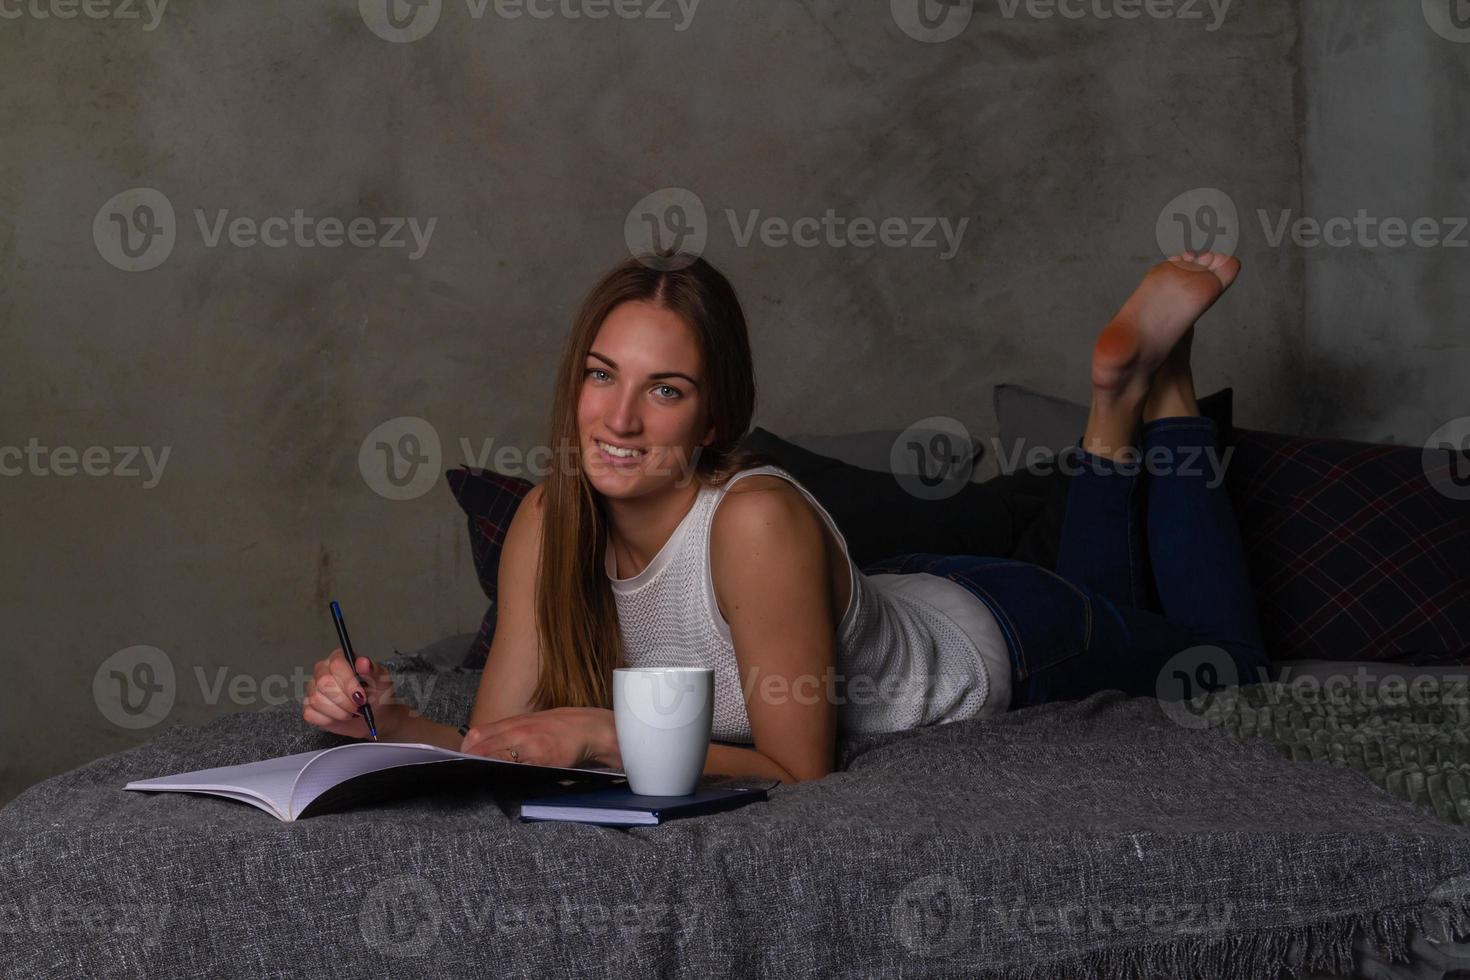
619 806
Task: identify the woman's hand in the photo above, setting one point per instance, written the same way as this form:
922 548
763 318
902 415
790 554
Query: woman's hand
334 698
569 737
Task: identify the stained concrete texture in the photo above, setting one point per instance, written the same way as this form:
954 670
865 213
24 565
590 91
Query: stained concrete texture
1050 147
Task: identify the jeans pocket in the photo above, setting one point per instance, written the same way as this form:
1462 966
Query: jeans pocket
1047 620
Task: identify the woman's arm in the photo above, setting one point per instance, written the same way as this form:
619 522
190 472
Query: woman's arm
768 559
513 662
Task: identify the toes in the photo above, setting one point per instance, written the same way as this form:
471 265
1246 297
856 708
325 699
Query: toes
1228 269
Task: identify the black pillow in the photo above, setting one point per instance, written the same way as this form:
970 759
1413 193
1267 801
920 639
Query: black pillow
1017 515
879 518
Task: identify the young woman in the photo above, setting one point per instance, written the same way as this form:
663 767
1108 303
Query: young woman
655 542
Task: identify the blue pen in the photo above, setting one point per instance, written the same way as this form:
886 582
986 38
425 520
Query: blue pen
341 624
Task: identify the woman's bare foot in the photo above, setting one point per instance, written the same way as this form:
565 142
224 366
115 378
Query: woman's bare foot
1171 393
1147 342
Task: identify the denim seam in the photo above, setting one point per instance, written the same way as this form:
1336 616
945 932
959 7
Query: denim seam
1002 617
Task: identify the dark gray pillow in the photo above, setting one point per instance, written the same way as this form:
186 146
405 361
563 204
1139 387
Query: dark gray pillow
874 449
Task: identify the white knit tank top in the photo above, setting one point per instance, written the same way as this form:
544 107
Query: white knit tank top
912 650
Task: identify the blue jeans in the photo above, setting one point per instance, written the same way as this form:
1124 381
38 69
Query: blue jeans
1150 596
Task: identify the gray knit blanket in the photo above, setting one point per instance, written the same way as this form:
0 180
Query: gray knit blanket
1096 838
1415 745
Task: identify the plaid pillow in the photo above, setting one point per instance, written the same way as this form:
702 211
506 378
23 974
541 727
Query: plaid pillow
489 500
1354 554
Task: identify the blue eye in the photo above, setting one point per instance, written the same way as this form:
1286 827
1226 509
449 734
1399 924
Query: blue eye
676 392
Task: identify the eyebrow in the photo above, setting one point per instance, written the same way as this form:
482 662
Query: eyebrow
653 377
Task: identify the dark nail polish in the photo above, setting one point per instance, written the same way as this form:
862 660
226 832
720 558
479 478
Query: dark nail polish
357 696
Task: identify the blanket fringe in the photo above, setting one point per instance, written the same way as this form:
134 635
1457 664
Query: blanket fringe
1323 947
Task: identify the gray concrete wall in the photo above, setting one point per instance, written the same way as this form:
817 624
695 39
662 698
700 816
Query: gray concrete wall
1386 324
262 371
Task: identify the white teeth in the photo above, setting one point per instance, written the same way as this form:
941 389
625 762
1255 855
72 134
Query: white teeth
615 451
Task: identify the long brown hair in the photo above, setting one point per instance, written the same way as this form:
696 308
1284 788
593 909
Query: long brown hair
576 614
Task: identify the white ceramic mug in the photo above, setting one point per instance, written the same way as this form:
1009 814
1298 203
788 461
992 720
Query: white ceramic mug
663 717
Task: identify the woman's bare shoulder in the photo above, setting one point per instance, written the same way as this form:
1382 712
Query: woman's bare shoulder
761 499
762 481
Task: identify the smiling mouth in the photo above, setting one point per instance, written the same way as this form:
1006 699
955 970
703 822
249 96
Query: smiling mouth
618 452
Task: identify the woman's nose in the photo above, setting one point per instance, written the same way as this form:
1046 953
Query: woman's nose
624 418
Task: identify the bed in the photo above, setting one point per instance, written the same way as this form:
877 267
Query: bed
1101 837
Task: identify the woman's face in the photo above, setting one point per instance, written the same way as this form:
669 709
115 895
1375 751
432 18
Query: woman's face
641 390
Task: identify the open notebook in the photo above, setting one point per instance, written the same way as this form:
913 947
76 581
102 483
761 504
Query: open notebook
308 783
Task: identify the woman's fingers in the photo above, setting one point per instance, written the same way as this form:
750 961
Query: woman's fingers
326 705
351 726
